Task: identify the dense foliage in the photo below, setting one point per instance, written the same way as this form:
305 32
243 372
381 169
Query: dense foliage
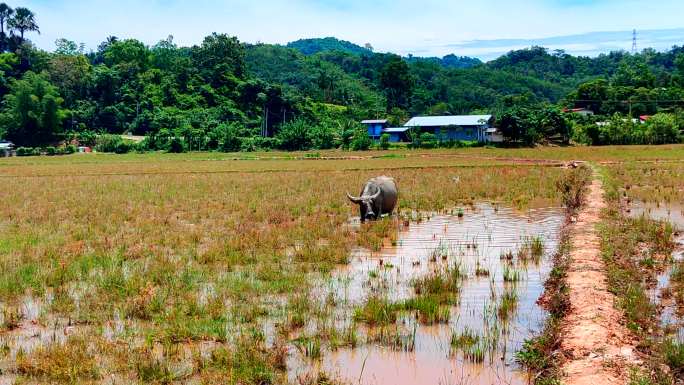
225 95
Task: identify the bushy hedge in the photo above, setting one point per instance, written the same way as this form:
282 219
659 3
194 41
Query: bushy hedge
28 151
661 128
49 150
113 143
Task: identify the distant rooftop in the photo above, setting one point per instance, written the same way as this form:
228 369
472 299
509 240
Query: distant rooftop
396 129
376 121
443 121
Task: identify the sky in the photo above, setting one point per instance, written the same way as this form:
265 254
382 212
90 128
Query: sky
480 28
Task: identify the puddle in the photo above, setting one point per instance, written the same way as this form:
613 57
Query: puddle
32 329
476 242
660 294
668 212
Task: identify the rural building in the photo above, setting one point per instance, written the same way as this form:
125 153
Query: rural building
493 135
6 148
579 111
457 127
397 134
375 127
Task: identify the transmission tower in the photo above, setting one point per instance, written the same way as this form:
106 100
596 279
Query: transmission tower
634 41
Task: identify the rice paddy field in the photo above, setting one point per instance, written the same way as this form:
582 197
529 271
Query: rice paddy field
254 268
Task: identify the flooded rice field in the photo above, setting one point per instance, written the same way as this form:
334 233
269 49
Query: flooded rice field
503 258
671 316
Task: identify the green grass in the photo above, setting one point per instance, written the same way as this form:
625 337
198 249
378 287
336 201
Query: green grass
625 244
141 237
376 312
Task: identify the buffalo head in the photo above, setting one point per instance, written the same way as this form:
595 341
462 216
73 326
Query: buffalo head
366 205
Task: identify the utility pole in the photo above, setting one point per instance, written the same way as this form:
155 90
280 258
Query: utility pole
634 41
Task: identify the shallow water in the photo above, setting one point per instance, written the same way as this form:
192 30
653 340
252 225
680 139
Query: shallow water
480 237
674 214
669 212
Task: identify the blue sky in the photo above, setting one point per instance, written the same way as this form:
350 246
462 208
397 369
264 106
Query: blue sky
421 27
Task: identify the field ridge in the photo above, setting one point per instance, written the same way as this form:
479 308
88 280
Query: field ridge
598 347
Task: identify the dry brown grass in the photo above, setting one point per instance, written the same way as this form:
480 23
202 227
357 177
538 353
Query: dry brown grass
182 251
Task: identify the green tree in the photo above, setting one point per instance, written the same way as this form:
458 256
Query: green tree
229 137
67 47
591 95
661 129
72 74
32 113
23 20
361 141
384 141
220 59
126 54
295 135
513 125
397 82
323 136
7 63
6 13
678 77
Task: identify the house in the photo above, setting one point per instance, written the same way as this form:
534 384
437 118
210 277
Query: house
6 148
579 111
397 134
375 127
457 127
493 135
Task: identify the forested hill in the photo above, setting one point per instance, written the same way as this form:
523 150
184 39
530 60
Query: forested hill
223 93
312 46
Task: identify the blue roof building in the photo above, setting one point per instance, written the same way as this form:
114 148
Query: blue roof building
375 127
456 127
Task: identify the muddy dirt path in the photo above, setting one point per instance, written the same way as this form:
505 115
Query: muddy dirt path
598 347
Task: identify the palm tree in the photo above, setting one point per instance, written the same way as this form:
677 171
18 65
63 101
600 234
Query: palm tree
5 14
23 21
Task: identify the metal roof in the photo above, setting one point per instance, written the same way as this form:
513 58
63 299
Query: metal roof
376 121
443 121
396 129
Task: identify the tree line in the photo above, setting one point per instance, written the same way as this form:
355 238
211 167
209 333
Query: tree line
223 94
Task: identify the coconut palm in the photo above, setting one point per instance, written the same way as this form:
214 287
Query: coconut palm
23 21
5 14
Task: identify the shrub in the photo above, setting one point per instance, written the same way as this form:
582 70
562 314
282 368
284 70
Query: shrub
573 187
258 143
661 129
427 140
143 146
113 143
87 138
323 137
295 135
69 149
50 151
176 145
384 141
361 141
228 137
24 151
124 147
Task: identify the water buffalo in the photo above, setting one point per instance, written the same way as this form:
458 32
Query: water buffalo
378 197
